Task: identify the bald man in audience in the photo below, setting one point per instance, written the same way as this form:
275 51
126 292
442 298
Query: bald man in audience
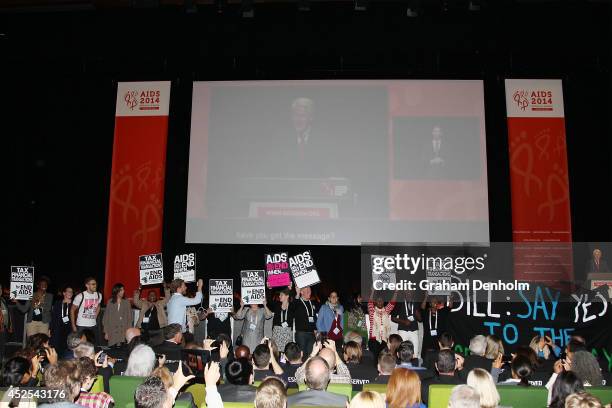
317 377
339 372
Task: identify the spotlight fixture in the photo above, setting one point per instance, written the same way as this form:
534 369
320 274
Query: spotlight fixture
361 5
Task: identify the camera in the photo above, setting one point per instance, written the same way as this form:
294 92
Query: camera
101 358
42 352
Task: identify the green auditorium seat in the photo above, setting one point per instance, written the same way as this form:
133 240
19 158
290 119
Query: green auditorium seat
199 393
603 393
98 386
381 388
342 389
235 405
439 395
122 389
522 397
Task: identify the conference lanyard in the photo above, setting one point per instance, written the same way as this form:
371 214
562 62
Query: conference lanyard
308 310
65 309
411 309
436 326
149 312
284 319
253 322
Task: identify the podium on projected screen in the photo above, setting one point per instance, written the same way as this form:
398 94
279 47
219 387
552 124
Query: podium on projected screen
303 198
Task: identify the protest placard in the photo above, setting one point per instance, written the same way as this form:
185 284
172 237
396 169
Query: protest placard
22 282
253 287
151 269
277 270
221 295
185 267
303 270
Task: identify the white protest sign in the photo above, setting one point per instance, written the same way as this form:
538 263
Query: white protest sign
151 269
303 270
22 282
185 267
221 295
253 287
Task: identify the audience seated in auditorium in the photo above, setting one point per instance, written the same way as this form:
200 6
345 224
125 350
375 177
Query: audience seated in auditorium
242 352
153 394
21 372
583 400
464 396
264 361
72 341
482 381
88 376
271 393
566 383
386 365
404 389
367 399
172 345
142 361
445 367
168 379
87 349
477 359
360 373
406 359
544 347
521 370
65 376
339 372
317 376
446 341
293 356
239 377
494 348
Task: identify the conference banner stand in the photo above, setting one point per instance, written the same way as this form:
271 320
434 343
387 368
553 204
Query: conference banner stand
137 180
541 219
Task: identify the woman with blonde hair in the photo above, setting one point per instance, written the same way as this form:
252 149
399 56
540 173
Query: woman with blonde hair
482 382
367 399
404 389
495 347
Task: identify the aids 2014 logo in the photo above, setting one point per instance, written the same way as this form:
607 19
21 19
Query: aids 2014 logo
533 100
143 99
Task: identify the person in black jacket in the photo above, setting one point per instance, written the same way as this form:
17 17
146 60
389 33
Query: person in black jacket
445 367
60 320
305 313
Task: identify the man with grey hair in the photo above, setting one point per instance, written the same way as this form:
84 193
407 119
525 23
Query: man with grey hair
464 396
476 359
317 378
339 372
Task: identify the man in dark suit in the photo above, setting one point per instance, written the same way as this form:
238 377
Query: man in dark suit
317 378
172 345
445 366
239 377
596 264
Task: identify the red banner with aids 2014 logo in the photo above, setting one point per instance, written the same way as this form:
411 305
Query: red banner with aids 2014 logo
137 180
539 181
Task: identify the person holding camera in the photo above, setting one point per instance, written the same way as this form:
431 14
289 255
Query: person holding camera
326 349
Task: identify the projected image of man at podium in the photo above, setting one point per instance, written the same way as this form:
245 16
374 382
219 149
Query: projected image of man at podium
597 264
434 154
309 152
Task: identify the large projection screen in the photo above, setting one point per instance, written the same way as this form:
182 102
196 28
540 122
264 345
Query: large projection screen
337 162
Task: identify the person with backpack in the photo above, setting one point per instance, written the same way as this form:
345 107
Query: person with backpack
86 308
